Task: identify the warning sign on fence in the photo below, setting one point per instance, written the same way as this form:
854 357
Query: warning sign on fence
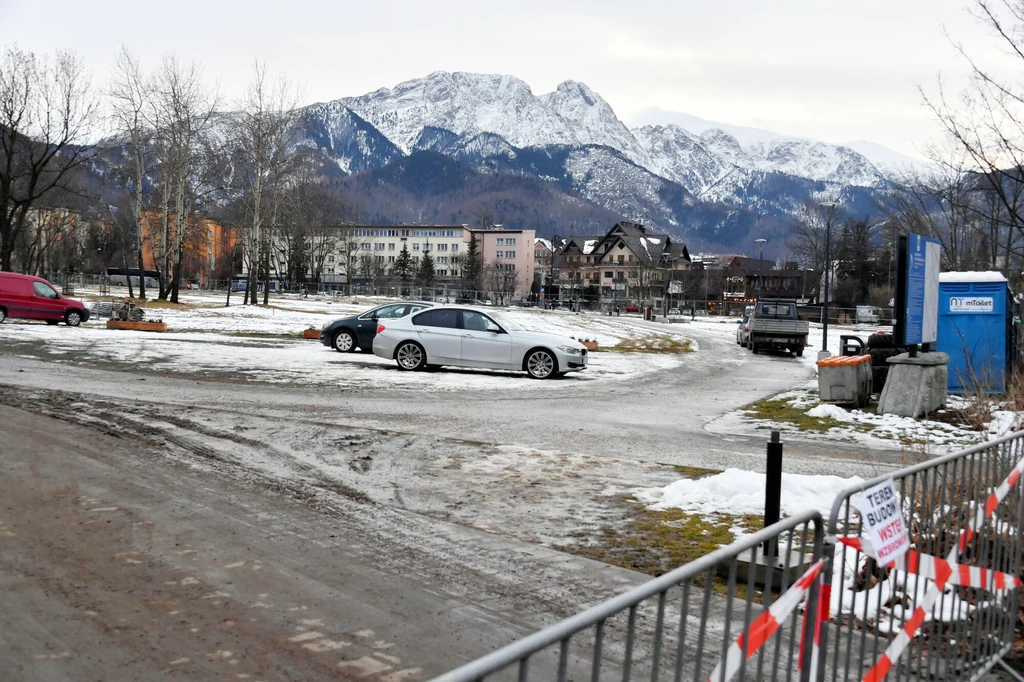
883 521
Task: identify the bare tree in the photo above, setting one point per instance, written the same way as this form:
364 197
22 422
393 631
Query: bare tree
47 111
131 98
987 120
264 128
185 109
349 247
502 279
807 240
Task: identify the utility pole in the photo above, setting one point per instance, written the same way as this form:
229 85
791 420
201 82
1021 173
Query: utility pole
554 250
831 206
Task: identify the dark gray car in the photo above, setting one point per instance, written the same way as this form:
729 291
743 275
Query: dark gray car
349 333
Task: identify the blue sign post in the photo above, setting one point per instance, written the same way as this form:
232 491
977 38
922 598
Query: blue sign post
922 292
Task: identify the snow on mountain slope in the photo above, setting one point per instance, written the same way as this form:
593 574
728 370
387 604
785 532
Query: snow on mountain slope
467 103
593 121
680 156
676 153
345 138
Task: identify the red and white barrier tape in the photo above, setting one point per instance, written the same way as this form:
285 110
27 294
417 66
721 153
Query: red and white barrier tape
765 625
906 635
940 570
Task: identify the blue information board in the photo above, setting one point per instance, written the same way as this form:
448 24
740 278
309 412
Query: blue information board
922 313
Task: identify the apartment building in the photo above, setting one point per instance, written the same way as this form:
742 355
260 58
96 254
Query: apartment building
368 252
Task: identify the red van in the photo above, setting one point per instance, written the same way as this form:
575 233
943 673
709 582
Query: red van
33 298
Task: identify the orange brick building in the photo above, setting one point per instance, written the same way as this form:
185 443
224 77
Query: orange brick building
212 249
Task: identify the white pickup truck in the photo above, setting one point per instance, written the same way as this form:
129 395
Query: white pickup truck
774 324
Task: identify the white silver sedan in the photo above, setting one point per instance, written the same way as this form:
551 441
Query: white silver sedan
466 337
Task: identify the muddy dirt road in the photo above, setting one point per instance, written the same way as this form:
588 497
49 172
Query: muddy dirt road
118 564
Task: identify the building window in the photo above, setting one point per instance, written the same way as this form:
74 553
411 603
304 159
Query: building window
609 275
510 242
415 246
366 246
391 259
442 247
500 242
455 247
380 259
379 246
391 246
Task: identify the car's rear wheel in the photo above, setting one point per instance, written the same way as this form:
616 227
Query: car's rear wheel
3 315
73 318
410 356
541 364
754 348
344 341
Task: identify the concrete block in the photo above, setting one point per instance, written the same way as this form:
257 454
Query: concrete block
915 386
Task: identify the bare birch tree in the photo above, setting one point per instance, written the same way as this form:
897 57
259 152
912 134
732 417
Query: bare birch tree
47 113
185 109
263 130
131 99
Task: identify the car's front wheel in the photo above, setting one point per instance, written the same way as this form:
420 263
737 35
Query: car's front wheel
3 315
73 318
541 364
410 356
344 341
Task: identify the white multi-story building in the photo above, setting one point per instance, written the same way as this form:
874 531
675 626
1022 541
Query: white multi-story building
365 253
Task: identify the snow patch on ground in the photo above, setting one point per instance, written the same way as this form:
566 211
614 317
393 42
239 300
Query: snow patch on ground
735 491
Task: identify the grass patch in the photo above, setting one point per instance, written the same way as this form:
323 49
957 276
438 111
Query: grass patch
655 542
659 343
780 410
694 472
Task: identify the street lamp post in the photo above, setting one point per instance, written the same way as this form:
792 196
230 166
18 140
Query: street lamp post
760 268
831 206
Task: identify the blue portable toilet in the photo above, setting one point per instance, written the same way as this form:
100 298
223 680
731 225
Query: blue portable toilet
974 329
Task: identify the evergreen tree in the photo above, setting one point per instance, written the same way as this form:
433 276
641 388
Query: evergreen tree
425 276
402 269
471 268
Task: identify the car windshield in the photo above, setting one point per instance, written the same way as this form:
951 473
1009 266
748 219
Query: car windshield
506 322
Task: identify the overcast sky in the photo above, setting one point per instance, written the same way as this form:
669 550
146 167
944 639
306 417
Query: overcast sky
836 71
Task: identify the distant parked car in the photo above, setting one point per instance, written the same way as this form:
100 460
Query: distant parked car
674 311
466 337
743 331
33 298
632 308
349 333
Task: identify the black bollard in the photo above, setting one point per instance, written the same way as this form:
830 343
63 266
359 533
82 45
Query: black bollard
773 489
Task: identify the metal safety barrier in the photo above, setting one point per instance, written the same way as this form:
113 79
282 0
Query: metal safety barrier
723 616
946 610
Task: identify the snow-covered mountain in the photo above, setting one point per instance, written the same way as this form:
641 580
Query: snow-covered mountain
702 182
469 103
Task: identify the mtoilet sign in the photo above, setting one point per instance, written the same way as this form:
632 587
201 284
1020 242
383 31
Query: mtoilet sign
971 304
883 523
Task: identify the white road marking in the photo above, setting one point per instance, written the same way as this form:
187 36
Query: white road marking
389 659
362 667
105 509
402 675
326 645
365 633
305 637
179 661
237 564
